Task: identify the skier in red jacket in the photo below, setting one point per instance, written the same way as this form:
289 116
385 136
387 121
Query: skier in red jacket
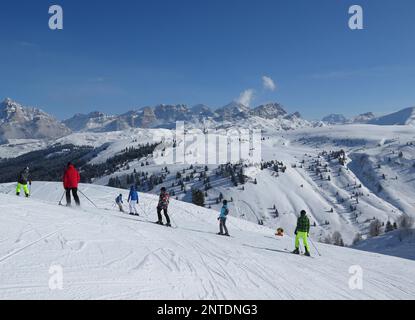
71 178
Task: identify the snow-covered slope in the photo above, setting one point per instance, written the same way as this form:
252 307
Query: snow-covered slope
398 243
107 255
380 168
402 117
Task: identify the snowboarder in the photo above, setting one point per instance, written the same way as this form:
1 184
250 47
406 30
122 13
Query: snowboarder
163 205
119 202
224 211
71 179
22 181
132 201
302 231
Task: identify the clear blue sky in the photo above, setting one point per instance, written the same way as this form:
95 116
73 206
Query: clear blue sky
117 55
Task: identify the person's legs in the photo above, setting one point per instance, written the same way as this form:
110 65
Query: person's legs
134 206
68 197
26 190
166 215
305 241
297 241
75 196
159 215
221 226
120 206
130 206
224 226
18 188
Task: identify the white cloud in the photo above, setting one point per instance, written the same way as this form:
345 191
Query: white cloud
246 97
268 83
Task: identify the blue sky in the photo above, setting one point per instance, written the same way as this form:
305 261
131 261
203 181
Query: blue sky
114 56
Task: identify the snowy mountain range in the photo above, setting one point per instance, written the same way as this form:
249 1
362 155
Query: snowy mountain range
335 119
401 118
200 116
19 122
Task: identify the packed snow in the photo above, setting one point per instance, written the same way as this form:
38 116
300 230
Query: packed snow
104 254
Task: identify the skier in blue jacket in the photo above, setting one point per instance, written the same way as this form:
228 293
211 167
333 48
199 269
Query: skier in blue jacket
224 211
133 200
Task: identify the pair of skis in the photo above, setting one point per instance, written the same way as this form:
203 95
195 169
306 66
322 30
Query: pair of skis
297 254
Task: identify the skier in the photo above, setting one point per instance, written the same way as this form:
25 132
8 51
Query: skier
22 181
302 231
163 205
222 219
119 202
71 179
132 201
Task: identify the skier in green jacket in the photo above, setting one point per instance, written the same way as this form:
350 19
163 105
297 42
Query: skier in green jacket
302 232
22 181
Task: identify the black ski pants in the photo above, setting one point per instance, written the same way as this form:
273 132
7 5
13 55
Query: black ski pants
75 196
159 210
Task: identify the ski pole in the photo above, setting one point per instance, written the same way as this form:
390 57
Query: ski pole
88 199
60 201
142 209
315 246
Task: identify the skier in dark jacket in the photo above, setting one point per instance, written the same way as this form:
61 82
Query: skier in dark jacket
22 181
302 232
222 219
71 179
163 205
119 202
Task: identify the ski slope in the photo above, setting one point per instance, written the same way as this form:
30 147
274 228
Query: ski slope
386 180
108 255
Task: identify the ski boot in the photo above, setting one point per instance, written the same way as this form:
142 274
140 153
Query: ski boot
17 193
159 222
307 254
296 251
168 224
